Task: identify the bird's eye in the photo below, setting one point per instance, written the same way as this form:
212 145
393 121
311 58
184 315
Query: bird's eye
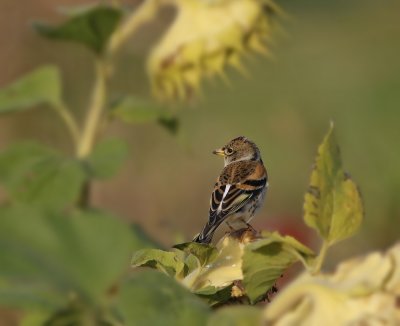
228 151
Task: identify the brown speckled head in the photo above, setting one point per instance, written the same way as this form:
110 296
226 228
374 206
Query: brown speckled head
239 149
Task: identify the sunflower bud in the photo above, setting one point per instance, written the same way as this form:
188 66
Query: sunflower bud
205 37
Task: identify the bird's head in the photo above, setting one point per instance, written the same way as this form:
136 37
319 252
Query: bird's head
239 149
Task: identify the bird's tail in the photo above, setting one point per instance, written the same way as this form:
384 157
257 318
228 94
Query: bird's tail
205 236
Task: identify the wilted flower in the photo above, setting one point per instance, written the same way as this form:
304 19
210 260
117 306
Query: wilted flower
363 291
205 37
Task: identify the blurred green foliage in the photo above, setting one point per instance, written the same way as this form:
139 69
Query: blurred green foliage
34 174
38 87
91 26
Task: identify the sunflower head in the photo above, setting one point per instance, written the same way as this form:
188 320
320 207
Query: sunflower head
205 37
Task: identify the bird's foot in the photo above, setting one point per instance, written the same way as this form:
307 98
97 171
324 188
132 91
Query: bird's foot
250 227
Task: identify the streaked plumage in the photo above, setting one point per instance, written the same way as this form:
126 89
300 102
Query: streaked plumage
240 189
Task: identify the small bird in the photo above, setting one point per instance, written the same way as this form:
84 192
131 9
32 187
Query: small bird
240 189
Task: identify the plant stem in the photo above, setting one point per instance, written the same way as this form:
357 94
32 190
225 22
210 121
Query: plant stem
69 121
93 122
321 257
95 111
145 12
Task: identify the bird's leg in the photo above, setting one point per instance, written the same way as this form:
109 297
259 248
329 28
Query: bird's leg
251 227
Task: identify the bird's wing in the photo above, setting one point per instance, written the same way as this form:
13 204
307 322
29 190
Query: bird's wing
237 184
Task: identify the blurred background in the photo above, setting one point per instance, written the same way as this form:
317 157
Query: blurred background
334 61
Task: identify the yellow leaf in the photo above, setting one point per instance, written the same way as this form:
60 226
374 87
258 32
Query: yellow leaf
333 204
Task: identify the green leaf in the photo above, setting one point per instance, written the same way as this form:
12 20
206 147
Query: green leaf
236 316
205 253
265 260
215 296
91 27
170 123
152 298
134 110
77 312
41 86
34 318
37 296
289 244
107 157
19 158
209 290
37 175
191 262
54 184
168 262
53 256
333 204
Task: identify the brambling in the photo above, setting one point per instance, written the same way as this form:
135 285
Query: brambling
240 189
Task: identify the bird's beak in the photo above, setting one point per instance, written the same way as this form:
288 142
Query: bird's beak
219 152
